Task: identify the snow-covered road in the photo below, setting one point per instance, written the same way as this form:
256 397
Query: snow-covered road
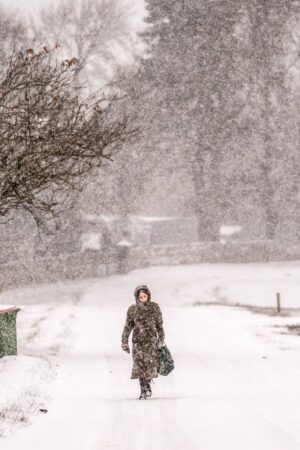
233 387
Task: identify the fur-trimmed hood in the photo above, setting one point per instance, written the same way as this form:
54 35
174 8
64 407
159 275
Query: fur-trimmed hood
142 287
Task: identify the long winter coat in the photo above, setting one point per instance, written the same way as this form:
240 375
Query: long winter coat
145 319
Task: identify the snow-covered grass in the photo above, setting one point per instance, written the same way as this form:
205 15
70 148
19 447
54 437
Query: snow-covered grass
44 329
24 384
246 284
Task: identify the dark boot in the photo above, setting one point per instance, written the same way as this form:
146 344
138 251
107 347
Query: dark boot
148 389
143 386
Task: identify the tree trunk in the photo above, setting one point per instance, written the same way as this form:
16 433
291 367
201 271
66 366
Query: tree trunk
262 76
206 204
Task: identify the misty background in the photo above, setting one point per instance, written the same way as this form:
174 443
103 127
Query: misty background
213 88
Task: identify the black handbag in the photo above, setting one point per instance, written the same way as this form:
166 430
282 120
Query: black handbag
165 361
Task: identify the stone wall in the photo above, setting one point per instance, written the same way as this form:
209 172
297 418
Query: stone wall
212 252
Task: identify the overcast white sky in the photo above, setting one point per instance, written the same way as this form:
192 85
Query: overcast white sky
32 5
25 5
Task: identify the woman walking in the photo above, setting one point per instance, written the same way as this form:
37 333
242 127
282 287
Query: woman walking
145 319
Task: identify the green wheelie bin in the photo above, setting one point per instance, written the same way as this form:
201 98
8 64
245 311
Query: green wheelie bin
8 330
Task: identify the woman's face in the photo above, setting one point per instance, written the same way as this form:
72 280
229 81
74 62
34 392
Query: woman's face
143 297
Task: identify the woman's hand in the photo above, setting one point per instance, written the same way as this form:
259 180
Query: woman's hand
160 344
125 347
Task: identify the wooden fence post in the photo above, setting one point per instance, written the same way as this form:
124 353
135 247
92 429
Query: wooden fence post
278 302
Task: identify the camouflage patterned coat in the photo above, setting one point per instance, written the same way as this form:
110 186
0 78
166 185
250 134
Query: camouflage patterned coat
145 319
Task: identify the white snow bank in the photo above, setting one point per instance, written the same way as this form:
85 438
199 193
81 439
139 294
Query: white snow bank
24 384
44 332
45 329
247 284
60 292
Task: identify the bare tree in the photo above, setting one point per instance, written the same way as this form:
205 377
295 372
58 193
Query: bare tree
51 138
12 34
99 32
